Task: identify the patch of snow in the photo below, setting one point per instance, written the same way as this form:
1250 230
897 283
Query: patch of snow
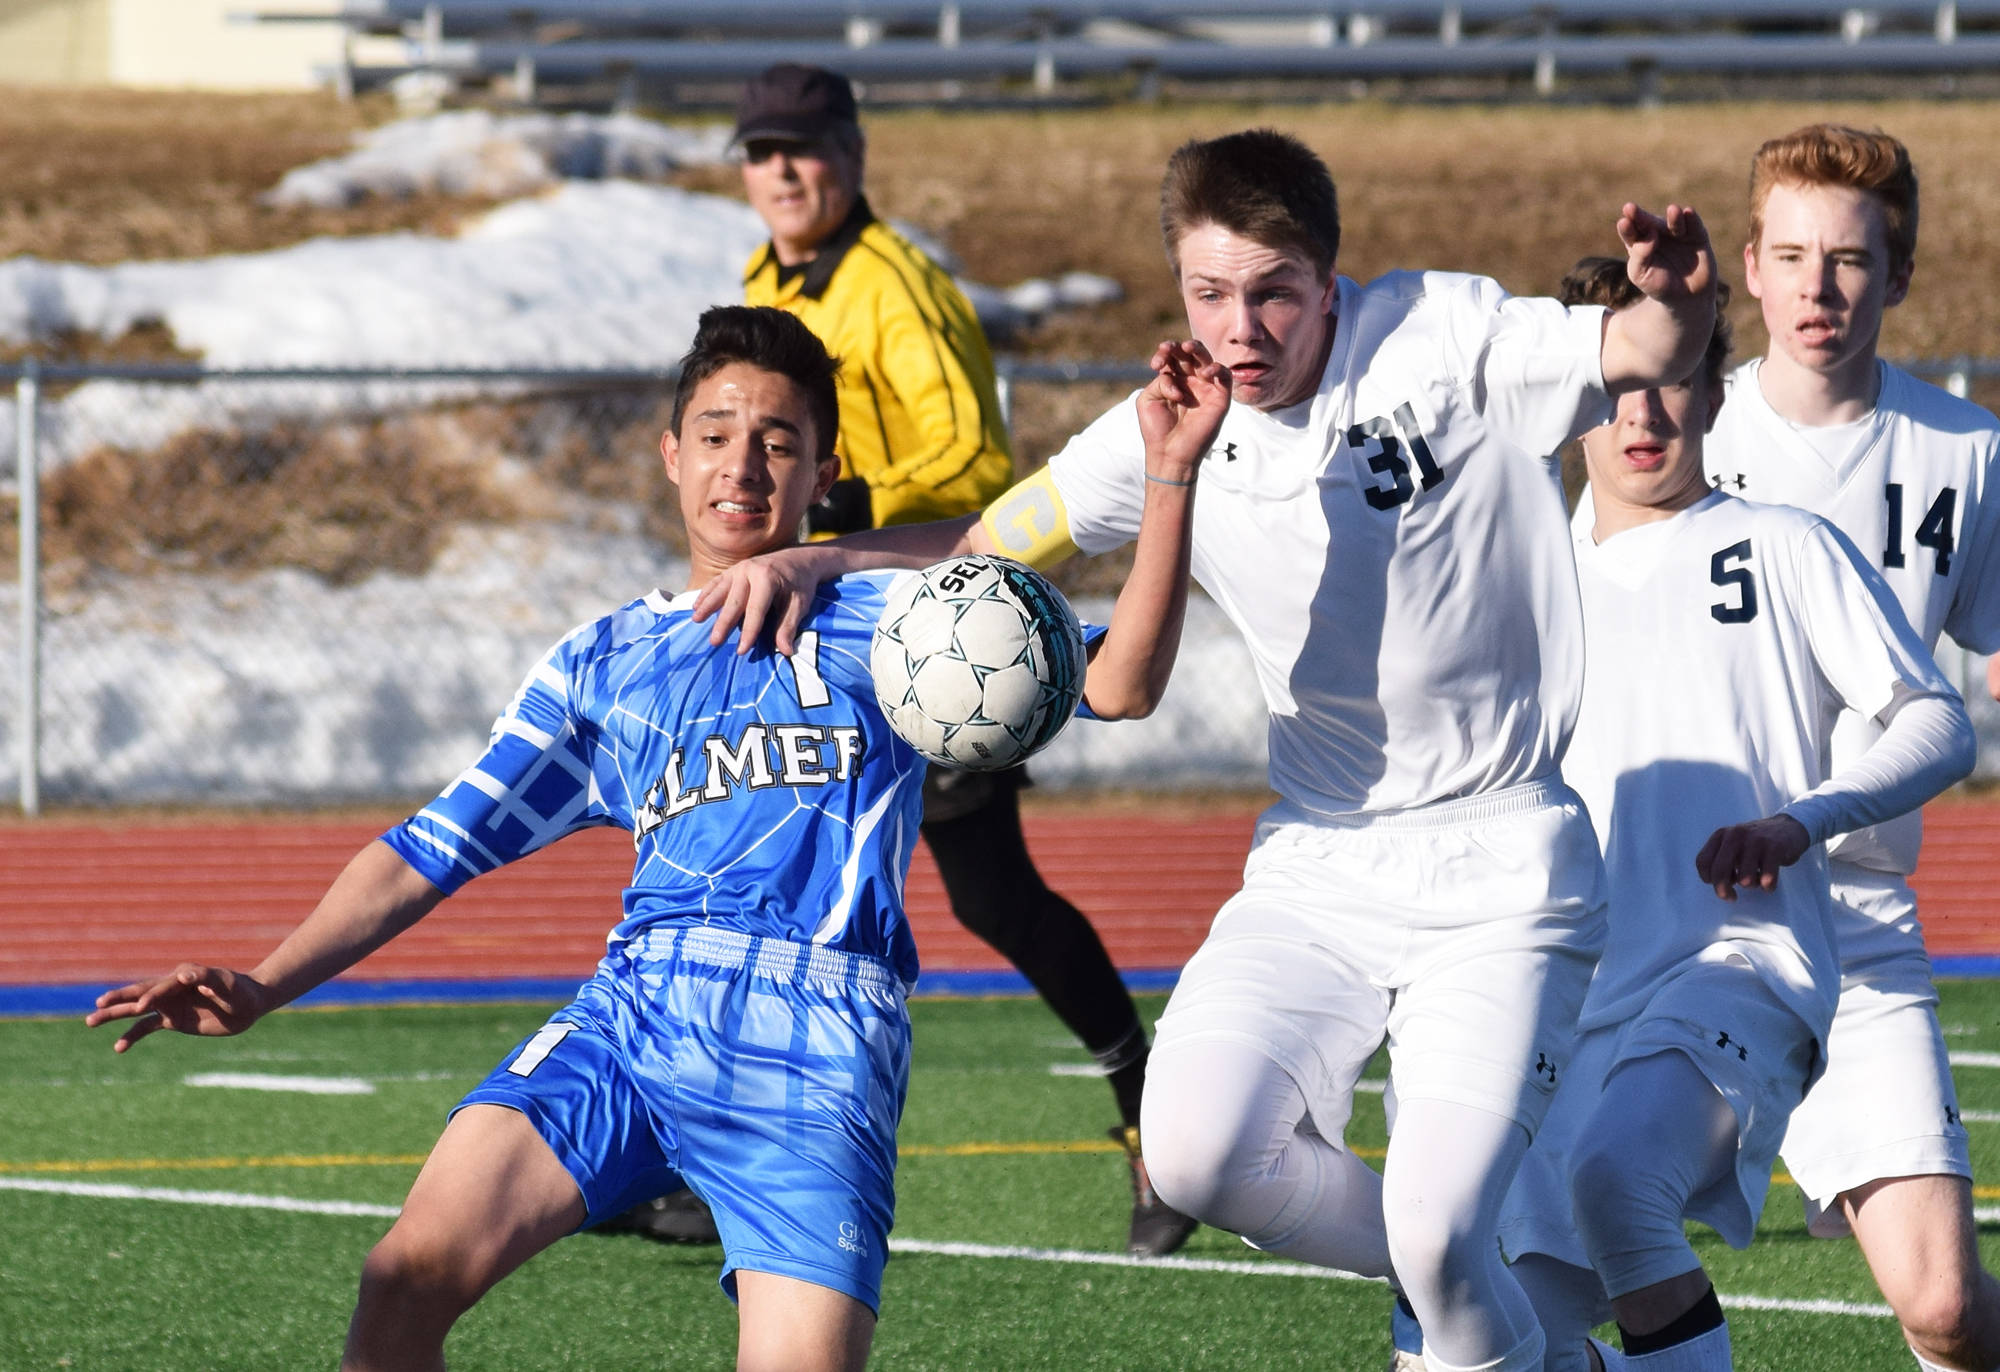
278 687
592 274
498 156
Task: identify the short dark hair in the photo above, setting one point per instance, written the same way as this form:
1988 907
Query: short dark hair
767 338
1264 185
1604 281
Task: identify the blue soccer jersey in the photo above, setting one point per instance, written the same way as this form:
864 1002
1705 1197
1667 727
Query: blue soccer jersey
764 795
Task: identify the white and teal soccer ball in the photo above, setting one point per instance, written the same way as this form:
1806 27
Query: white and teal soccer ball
978 662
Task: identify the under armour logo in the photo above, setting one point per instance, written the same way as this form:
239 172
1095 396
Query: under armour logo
1951 1114
1545 1068
1722 1041
1229 452
1736 479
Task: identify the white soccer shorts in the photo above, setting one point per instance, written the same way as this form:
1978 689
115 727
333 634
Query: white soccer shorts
1886 1106
1466 930
1740 1036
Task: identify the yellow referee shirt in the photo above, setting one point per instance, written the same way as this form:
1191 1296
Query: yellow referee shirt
919 410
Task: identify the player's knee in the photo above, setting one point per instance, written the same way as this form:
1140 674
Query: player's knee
999 918
411 1279
1604 1190
1442 1247
1942 1317
1200 1163
1196 1171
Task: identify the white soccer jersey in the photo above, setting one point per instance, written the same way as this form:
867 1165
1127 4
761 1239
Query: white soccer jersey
1393 549
1913 496
1724 642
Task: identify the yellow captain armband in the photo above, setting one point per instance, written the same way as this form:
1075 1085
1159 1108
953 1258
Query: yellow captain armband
1029 523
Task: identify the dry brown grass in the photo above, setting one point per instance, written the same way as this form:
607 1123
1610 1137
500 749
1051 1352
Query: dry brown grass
1514 191
109 175
1517 192
346 499
342 502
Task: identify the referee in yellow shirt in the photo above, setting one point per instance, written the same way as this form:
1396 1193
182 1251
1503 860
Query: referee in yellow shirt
921 438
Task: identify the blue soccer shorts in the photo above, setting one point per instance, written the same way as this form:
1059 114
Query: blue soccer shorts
766 1075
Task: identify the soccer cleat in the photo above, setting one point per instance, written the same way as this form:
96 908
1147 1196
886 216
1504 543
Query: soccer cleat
681 1217
1406 1336
1157 1228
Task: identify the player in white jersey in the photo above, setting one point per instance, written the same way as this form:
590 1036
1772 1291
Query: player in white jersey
1381 522
1725 636
1902 468
745 1035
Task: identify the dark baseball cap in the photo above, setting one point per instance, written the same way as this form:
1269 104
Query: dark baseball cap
794 102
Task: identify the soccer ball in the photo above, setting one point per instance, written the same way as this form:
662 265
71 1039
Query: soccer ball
978 662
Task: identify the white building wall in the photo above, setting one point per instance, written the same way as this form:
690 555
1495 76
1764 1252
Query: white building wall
191 44
54 42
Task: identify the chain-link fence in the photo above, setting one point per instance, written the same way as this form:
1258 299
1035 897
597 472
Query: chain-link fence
284 586
311 587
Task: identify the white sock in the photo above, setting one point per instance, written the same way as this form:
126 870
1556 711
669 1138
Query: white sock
1927 1365
1703 1353
1525 1356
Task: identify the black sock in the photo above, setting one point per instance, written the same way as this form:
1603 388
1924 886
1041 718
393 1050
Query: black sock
1704 1315
1126 1084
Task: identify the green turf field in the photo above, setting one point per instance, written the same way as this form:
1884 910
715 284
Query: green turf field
999 1153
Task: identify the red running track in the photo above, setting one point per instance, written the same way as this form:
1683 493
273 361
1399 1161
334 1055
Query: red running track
86 902
105 902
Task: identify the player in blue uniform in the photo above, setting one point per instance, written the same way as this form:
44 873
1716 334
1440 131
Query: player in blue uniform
745 1034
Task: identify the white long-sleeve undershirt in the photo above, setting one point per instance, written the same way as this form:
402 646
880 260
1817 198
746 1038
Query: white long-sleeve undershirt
1927 744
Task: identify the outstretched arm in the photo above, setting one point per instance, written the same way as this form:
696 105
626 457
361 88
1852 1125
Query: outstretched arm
375 898
1926 745
777 588
1179 413
1660 340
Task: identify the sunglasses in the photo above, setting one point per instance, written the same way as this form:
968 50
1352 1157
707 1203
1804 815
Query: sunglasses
761 150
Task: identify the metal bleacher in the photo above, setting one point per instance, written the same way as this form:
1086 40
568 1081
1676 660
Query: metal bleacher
1038 45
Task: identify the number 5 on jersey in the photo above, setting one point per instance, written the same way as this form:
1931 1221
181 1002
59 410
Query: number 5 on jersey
1730 569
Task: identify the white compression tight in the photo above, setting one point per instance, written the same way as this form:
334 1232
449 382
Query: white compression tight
1221 1124
1660 1136
1448 1170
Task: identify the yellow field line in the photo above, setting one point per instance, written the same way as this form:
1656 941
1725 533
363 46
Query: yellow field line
215 1164
1031 1149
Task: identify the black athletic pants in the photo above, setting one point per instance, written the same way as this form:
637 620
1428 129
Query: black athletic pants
972 822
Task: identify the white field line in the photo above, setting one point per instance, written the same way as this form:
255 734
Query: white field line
1090 1258
1367 1087
223 1200
261 1081
1004 1252
1974 1059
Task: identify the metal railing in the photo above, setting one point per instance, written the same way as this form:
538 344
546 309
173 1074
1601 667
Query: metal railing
946 43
